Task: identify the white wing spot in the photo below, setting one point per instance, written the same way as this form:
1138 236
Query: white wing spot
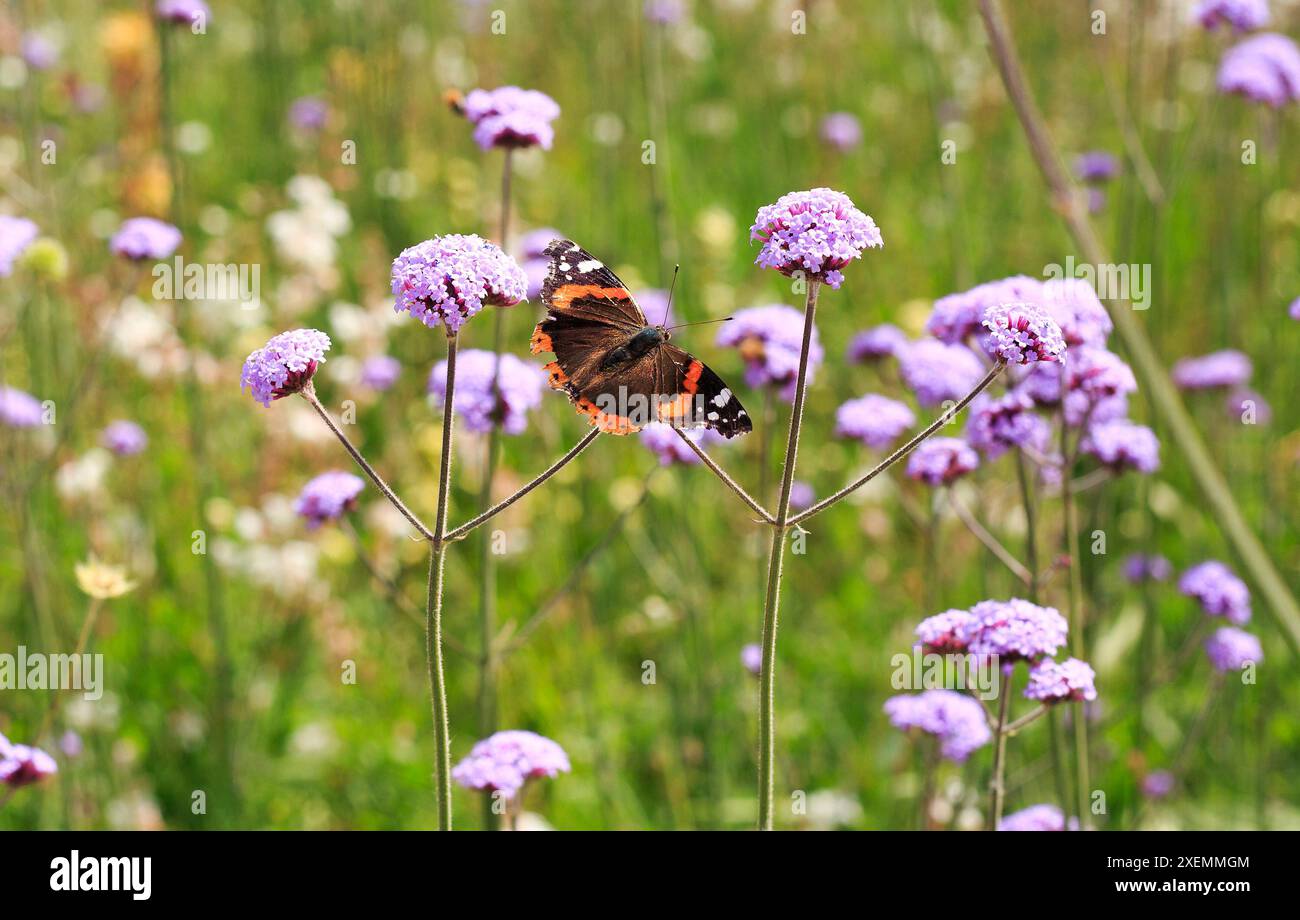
713 416
590 265
564 266
722 398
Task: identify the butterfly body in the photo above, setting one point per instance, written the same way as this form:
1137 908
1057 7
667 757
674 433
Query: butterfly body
616 367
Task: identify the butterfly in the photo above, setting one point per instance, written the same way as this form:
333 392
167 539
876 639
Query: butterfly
617 368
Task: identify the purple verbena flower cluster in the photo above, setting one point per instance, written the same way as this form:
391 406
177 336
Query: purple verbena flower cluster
955 719
519 387
1036 818
1227 368
19 409
1218 590
877 342
1263 68
769 339
284 365
448 279
1241 15
942 461
328 497
507 760
936 371
662 440
814 233
1022 333
1070 680
874 420
124 438
22 765
1231 649
1121 444
511 117
145 238
16 234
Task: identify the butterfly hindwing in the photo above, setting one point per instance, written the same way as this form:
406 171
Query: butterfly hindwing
702 400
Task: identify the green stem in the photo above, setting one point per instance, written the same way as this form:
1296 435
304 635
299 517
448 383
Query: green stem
997 786
767 684
1075 617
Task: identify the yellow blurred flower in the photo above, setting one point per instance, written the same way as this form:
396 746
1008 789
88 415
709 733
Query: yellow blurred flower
47 257
102 581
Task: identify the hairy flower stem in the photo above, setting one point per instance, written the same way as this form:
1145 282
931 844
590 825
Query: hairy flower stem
997 786
1031 526
767 677
944 418
1075 617
1152 375
309 393
433 609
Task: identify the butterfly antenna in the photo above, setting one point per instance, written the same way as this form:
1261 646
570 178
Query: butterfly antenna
672 287
703 322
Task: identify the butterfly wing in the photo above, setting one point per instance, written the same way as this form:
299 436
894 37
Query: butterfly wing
698 398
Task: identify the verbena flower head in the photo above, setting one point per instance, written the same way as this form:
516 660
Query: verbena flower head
328 497
663 442
448 279
956 317
1241 15
16 234
1096 166
143 239
308 113
664 12
801 495
504 762
1245 405
654 304
1140 567
1070 680
841 131
769 340
1263 68
955 719
751 658
1294 310
511 117
997 424
1227 368
519 387
19 409
814 233
942 461
182 12
1121 444
1013 630
936 372
1036 818
380 372
944 632
284 365
1158 784
39 52
532 245
1231 649
1096 386
875 343
124 438
1218 590
21 765
1022 333
874 420
1077 310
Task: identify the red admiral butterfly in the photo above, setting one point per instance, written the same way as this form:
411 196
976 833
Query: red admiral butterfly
614 365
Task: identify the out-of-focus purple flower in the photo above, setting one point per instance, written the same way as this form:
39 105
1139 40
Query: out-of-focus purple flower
1096 199
998 424
956 317
1227 368
1231 649
1070 680
21 765
182 12
769 340
942 461
935 371
535 271
511 117
39 52
1121 444
1036 818
874 420
1157 784
1263 68
309 113
841 131
1096 166
284 365
944 632
875 343
751 657
1218 590
19 409
814 234
143 238
504 762
655 306
448 279
519 389
1241 15
70 744
1245 405
380 372
532 245
1140 567
1013 630
664 12
328 497
1022 333
663 442
1294 310
955 719
124 438
801 495
1097 383
16 234
1077 310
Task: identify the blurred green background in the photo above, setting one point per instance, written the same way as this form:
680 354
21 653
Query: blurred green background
223 671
